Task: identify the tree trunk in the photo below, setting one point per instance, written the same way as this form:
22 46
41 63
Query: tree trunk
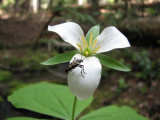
3 1
50 2
39 4
35 6
26 5
56 13
142 8
95 8
95 4
126 7
16 8
80 2
115 1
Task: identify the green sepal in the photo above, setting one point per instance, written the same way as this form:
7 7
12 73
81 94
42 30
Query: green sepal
95 30
112 63
62 58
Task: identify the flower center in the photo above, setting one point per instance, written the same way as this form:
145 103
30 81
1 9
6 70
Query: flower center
88 49
87 52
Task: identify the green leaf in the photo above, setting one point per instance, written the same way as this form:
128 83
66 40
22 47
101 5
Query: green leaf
24 118
114 113
112 63
95 30
62 58
50 99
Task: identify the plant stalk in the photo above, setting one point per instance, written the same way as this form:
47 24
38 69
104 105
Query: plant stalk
74 106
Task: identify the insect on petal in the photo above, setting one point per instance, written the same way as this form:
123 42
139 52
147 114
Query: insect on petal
83 84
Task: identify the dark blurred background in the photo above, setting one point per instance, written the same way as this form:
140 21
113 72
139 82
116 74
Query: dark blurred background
25 42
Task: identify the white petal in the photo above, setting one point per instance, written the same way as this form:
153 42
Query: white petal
70 32
84 86
111 38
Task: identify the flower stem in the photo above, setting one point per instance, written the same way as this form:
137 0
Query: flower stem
74 106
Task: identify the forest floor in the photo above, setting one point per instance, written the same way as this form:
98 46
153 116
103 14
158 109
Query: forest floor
19 66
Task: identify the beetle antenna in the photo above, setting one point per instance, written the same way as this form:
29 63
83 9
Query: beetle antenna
81 58
84 58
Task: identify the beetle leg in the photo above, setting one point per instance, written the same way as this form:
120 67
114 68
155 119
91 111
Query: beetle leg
82 71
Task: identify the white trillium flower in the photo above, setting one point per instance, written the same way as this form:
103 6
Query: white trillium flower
84 86
110 38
